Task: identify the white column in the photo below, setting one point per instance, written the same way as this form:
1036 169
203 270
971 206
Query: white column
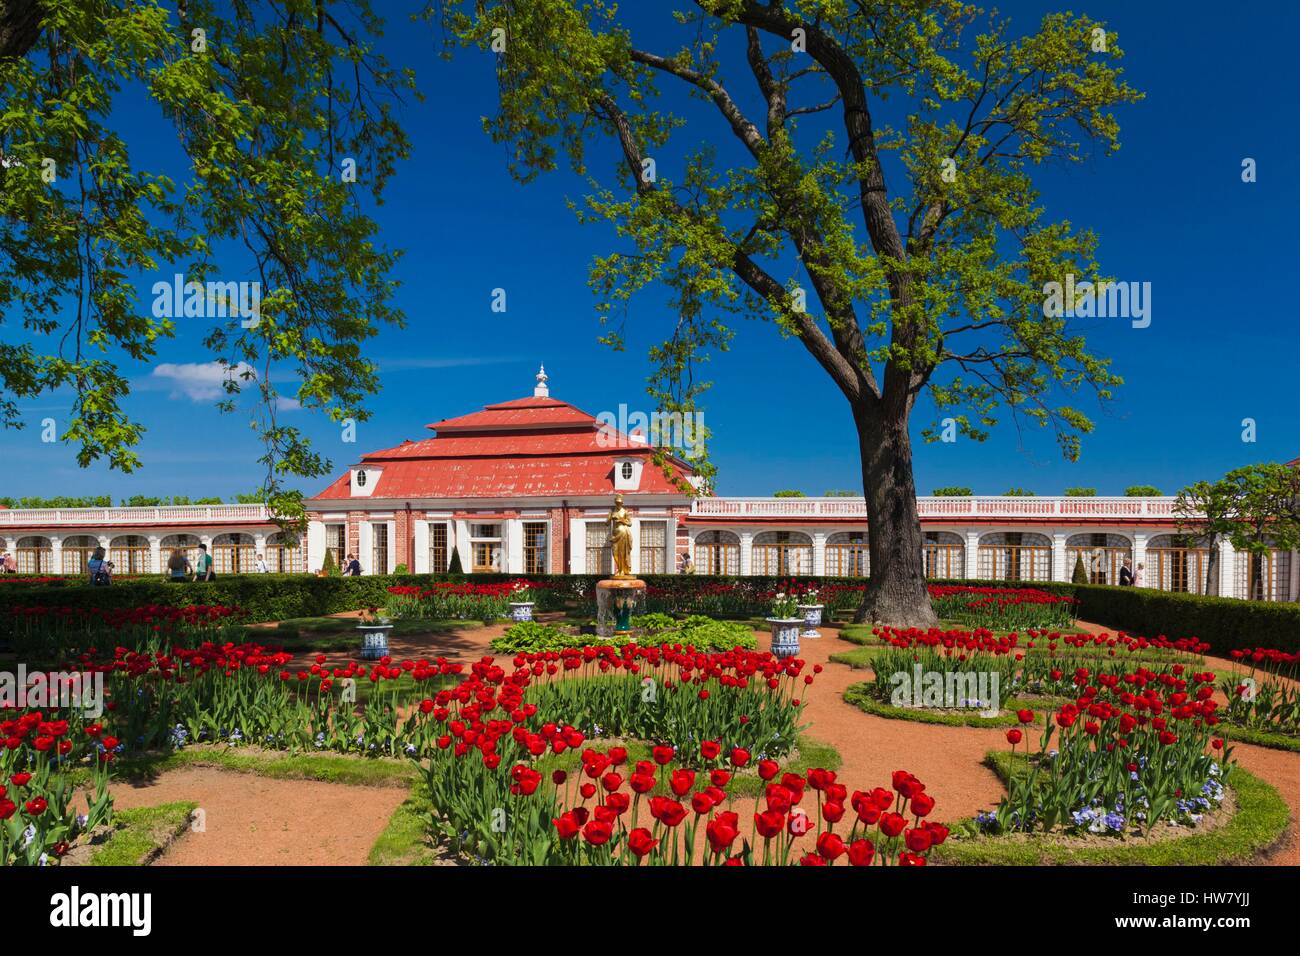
56 554
746 558
1140 539
460 541
1059 570
365 546
315 544
819 553
972 554
155 555
577 546
512 545
636 546
1228 570
420 559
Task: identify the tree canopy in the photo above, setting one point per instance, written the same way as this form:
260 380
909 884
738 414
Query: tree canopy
272 105
1256 508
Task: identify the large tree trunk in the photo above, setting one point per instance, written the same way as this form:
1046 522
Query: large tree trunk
19 27
896 592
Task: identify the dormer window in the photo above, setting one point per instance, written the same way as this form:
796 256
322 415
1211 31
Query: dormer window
627 474
364 480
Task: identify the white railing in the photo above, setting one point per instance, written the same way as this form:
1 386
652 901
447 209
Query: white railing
166 514
853 509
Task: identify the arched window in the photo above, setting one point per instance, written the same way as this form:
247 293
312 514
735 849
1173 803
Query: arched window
1015 556
1103 555
782 553
35 555
77 550
1177 562
283 554
186 544
233 553
129 554
717 552
944 554
847 555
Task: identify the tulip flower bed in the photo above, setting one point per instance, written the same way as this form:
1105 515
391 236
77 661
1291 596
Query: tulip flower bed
1268 697
41 752
490 800
1132 751
47 632
465 601
1002 608
1044 663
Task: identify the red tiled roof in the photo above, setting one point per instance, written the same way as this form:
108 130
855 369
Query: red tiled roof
534 412
529 447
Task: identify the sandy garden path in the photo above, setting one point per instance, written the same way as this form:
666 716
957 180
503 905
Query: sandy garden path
258 821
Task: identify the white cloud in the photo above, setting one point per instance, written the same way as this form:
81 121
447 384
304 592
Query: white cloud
197 381
203 382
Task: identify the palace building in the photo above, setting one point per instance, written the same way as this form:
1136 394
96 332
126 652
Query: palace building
524 487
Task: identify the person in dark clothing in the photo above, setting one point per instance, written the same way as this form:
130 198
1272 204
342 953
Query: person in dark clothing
1125 575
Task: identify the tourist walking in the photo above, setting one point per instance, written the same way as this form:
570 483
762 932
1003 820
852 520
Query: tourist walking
353 567
100 571
179 567
203 567
1140 576
261 565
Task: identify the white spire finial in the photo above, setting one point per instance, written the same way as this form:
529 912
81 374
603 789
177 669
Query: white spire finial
541 391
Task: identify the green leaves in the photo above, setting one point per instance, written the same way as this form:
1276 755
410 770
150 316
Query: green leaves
266 114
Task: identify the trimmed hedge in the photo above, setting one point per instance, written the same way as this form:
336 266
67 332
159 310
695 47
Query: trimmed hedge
1226 623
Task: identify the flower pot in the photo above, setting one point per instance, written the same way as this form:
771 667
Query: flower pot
812 619
521 610
374 640
785 635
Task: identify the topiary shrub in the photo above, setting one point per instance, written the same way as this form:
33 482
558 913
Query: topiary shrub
1080 575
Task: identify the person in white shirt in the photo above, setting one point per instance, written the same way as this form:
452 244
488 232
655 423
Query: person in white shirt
261 565
1140 576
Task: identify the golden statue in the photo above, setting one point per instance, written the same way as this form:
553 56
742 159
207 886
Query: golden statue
620 538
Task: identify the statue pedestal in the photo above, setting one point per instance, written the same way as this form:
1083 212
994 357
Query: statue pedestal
617 599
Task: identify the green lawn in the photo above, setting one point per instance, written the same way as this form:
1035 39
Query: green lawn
141 834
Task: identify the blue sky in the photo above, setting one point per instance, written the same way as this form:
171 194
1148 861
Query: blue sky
1170 208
